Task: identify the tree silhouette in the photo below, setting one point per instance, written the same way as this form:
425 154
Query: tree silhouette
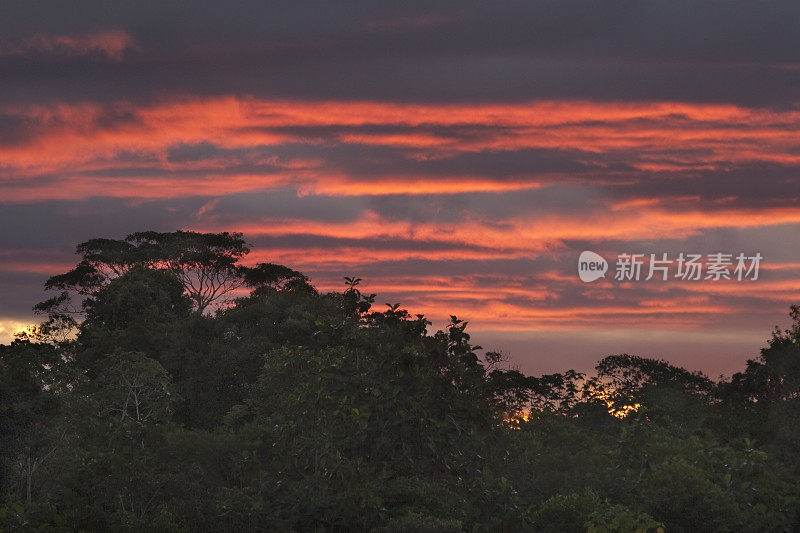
207 265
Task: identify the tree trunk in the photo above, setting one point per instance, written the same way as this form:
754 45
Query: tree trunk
30 481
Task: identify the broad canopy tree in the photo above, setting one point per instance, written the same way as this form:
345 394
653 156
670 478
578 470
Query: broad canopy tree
208 266
206 263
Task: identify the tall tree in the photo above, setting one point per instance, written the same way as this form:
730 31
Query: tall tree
207 265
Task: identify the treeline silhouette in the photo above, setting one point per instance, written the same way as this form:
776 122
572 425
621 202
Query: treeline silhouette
169 388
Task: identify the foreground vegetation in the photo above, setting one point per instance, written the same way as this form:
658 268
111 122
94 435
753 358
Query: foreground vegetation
129 409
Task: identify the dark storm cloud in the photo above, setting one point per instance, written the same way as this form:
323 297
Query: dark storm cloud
42 225
453 268
286 204
556 199
777 243
711 51
60 225
301 240
374 161
745 185
363 160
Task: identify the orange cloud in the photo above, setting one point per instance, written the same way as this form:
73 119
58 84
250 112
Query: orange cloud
651 136
75 151
530 232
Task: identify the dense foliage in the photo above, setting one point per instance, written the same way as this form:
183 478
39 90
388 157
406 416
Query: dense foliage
288 409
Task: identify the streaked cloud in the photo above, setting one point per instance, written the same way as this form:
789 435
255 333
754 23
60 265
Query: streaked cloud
457 157
110 43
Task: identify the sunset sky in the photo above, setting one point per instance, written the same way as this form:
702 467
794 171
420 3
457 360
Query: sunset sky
457 156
